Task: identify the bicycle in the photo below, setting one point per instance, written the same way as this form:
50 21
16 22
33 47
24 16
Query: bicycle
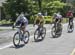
40 32
20 36
70 26
56 30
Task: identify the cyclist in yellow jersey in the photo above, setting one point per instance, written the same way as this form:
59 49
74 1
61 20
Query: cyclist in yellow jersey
39 20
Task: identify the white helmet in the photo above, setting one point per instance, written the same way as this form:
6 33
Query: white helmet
39 14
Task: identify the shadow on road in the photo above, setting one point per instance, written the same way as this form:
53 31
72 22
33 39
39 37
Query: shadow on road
39 40
18 46
55 37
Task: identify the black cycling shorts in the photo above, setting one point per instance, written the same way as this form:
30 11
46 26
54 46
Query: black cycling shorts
56 20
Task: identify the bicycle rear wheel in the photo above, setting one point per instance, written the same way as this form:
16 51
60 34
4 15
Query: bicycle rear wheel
70 28
56 31
16 39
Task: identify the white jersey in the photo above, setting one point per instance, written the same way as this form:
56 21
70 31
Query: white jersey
22 19
58 16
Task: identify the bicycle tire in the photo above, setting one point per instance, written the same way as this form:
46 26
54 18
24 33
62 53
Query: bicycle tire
28 35
36 38
70 29
44 29
18 39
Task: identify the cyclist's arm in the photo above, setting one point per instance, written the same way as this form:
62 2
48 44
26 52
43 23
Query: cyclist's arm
43 20
18 18
14 24
53 19
35 20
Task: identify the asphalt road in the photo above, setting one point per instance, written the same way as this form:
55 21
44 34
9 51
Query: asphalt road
63 45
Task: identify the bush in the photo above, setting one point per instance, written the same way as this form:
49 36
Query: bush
48 19
5 22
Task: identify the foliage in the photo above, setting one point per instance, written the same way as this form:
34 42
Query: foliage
5 22
55 6
13 7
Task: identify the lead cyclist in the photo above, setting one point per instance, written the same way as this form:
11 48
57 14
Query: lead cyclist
22 21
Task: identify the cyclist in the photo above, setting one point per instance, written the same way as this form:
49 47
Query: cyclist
57 17
70 16
39 21
22 21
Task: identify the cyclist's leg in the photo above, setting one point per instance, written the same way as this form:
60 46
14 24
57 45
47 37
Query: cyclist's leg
55 22
72 19
23 26
69 20
55 25
42 25
60 21
38 26
60 24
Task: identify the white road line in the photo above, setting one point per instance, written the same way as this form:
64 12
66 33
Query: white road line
6 46
30 38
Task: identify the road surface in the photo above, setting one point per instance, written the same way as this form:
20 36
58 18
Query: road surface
63 45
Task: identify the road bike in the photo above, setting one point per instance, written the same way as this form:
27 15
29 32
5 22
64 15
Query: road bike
20 36
40 33
56 30
70 27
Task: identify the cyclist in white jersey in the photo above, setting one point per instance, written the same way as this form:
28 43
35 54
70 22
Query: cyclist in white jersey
22 21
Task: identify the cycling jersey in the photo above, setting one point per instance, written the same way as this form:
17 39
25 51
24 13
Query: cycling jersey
22 20
69 14
39 20
58 16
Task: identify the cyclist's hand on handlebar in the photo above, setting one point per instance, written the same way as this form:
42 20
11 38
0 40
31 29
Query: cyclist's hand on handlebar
13 26
33 25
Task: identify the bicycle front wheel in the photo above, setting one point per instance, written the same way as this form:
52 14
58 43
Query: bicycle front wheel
36 35
16 39
53 32
43 33
26 37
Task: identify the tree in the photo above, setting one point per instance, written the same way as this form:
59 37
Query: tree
55 6
13 7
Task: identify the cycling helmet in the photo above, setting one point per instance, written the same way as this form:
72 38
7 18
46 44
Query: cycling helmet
39 14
